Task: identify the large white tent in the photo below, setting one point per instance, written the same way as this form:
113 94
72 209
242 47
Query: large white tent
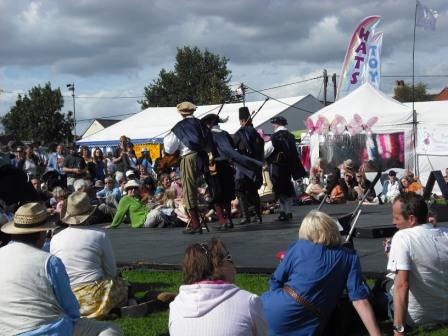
432 135
368 102
152 124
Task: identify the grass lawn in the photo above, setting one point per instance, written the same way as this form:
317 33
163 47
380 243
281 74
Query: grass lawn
157 323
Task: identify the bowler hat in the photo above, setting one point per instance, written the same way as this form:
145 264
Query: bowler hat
279 120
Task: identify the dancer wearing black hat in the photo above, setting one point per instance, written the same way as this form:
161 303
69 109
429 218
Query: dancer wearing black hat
284 163
220 178
247 181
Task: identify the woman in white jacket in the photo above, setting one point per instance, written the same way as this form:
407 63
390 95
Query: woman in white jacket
209 303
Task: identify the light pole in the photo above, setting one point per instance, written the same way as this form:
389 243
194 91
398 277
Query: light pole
71 87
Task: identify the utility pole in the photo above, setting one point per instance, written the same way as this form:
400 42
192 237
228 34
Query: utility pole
333 79
71 87
325 75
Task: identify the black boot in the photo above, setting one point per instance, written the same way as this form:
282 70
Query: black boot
194 221
282 217
244 208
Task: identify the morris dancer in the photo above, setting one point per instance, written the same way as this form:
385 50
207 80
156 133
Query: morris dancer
284 163
189 138
247 182
220 177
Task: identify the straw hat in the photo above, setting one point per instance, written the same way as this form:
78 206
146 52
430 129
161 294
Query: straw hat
131 184
186 108
29 218
78 209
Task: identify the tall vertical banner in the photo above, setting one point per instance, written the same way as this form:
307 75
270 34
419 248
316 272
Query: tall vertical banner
356 57
373 73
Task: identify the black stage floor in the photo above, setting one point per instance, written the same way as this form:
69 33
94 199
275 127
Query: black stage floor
252 246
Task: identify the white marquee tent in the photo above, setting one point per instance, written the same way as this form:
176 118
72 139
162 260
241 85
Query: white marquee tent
368 102
393 116
432 135
152 124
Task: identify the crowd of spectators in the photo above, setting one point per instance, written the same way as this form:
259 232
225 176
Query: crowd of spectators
344 184
113 182
78 282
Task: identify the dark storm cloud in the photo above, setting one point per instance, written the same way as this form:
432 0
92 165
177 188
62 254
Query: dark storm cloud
87 38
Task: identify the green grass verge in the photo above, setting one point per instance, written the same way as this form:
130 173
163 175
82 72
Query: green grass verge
156 324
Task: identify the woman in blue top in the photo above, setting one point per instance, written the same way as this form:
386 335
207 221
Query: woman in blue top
315 271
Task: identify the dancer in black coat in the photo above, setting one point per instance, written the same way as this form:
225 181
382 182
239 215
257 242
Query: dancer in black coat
284 165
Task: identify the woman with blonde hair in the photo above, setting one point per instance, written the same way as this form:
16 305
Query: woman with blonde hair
307 284
208 302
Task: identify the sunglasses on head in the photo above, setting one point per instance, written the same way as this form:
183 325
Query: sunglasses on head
206 251
228 257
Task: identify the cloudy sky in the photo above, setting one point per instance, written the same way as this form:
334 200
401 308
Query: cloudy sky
114 48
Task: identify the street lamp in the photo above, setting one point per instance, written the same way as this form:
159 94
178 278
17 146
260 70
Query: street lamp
71 87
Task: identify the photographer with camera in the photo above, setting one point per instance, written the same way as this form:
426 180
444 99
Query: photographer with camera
121 159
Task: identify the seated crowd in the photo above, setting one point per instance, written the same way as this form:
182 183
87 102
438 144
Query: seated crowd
343 184
62 279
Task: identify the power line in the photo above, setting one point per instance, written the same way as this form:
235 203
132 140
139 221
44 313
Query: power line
287 84
277 100
107 97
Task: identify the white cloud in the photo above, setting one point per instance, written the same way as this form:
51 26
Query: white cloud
118 47
31 15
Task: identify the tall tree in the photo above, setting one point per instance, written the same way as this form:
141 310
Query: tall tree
37 116
199 77
403 92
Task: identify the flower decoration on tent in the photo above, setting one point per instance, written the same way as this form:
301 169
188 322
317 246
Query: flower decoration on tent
315 128
357 125
338 125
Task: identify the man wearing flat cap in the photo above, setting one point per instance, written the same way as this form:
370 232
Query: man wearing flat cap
247 181
35 293
189 138
284 164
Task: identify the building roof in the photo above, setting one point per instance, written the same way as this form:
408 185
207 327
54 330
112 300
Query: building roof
153 123
443 95
107 122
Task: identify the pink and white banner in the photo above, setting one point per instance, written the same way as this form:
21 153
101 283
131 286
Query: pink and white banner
356 58
373 73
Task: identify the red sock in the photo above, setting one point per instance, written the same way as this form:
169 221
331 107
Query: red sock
194 216
220 214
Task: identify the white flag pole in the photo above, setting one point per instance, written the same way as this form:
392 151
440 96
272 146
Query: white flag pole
414 113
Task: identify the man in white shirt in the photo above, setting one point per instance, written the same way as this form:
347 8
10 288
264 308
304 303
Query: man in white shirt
391 188
418 261
189 138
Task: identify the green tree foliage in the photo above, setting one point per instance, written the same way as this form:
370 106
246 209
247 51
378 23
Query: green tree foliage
37 116
403 92
199 77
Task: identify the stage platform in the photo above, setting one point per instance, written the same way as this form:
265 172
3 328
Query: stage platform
252 246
